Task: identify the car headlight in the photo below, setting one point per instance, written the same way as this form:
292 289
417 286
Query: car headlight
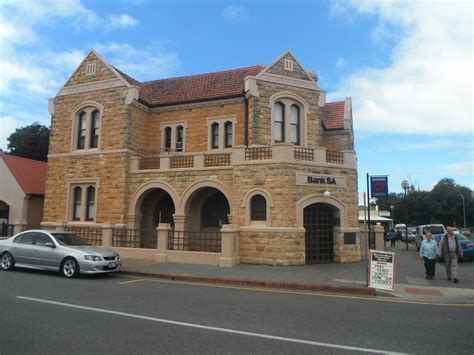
92 257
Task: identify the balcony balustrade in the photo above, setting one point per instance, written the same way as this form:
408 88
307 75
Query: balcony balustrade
319 156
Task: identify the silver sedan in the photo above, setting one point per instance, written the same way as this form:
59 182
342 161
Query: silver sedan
65 252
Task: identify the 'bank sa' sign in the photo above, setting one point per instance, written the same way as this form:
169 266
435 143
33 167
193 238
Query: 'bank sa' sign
320 180
379 186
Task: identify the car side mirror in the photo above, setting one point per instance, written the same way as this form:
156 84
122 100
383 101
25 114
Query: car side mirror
50 245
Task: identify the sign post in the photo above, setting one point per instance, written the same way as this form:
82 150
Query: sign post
381 271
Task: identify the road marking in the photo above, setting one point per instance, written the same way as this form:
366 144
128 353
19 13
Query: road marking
206 327
307 293
131 281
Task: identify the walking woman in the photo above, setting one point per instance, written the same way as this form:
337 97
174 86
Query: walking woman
428 252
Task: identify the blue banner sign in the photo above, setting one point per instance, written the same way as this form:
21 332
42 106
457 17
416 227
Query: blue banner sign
379 186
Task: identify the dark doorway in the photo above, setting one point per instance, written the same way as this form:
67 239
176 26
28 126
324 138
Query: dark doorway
215 210
319 237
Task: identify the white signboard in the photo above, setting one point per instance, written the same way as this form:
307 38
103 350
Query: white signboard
381 271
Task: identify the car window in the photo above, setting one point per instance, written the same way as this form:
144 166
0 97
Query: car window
70 239
42 239
27 238
18 239
436 229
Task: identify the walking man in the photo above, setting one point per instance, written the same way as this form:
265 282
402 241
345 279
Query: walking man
450 250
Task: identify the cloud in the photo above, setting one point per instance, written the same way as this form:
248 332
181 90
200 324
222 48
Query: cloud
427 87
234 12
462 168
8 124
143 64
121 22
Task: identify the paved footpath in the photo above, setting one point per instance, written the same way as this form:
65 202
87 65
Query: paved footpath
410 283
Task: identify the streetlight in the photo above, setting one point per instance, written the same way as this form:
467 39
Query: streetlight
406 185
463 210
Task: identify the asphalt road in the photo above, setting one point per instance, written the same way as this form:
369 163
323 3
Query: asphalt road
45 313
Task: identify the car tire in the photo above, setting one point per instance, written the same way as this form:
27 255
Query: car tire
70 268
7 262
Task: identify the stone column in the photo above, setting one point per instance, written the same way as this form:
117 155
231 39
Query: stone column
229 245
379 237
162 230
319 156
283 151
19 225
107 234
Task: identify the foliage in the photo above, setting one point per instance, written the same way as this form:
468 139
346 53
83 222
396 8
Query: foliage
443 204
30 142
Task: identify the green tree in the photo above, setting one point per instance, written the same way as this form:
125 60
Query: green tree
30 142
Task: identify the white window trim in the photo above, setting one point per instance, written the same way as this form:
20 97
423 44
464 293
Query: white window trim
246 205
289 99
289 64
174 126
83 184
91 69
88 107
221 121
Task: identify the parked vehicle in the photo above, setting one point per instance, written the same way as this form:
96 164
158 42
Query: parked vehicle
421 231
466 245
411 234
65 252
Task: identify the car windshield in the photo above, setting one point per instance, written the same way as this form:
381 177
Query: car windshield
434 229
461 236
70 239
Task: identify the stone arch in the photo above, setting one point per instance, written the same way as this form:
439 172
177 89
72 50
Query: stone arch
195 187
140 194
338 205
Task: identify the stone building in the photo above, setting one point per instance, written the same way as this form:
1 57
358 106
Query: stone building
254 155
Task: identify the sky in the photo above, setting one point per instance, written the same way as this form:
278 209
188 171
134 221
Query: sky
407 65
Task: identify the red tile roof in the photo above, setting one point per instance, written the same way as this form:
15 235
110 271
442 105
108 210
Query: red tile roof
199 87
30 174
333 115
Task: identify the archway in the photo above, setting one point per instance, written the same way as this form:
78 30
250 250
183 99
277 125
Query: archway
207 209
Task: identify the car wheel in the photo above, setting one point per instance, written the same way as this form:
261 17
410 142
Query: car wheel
70 268
7 261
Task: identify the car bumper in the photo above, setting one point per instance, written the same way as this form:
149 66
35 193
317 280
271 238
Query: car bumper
91 267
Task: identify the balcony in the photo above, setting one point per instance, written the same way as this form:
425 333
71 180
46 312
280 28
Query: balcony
241 155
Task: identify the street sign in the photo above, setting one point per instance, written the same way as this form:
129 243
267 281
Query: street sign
381 270
379 186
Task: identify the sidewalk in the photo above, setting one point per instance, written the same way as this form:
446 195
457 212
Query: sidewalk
410 283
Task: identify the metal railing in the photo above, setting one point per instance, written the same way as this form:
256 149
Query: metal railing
149 163
334 157
92 234
195 241
259 153
305 154
217 159
181 161
134 238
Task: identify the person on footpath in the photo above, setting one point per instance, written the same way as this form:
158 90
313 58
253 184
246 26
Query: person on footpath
429 251
450 250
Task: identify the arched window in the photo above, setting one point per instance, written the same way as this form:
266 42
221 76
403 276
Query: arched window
95 126
77 198
258 208
90 213
86 128
179 138
295 124
228 134
167 139
81 130
215 135
279 123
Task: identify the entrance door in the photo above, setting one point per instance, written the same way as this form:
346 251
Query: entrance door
319 237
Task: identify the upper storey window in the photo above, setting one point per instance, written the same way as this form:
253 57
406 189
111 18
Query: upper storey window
87 123
288 121
221 133
174 135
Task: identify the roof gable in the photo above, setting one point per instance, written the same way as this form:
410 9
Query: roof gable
94 69
288 65
30 174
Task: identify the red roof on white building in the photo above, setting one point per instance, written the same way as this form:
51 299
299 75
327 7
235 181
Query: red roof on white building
30 174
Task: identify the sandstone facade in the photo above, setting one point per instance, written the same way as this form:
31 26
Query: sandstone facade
203 174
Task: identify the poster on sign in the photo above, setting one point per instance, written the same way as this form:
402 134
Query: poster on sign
381 270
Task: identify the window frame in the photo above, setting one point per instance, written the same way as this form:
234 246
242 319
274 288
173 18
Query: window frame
86 130
289 101
258 212
80 201
219 137
176 143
